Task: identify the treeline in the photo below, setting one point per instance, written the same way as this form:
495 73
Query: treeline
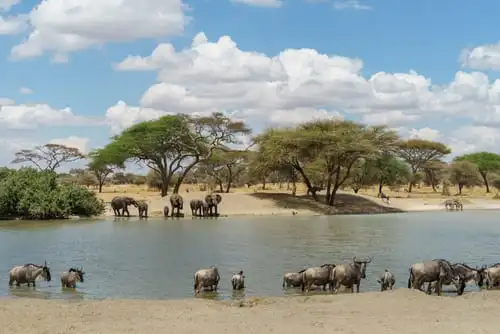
324 154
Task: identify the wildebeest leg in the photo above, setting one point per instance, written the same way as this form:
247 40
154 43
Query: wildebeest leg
429 288
216 210
357 287
324 286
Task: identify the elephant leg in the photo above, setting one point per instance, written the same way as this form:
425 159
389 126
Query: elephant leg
146 213
216 211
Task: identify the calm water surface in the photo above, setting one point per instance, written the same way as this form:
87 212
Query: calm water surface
156 259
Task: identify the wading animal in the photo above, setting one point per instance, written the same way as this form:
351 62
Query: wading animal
204 207
466 273
293 279
492 276
177 202
458 204
196 206
206 278
213 201
386 280
449 204
28 273
142 208
349 274
437 270
71 277
238 280
319 276
121 203
165 210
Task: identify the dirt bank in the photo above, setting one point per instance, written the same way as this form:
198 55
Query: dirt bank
399 311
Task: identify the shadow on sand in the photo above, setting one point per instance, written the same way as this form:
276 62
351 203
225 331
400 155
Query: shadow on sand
344 204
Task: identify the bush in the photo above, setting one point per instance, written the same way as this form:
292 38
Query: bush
31 194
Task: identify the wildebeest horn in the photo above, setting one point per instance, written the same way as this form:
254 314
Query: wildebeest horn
353 259
45 263
370 259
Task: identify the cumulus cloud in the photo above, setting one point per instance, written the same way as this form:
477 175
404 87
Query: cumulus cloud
261 3
12 25
6 5
19 117
25 90
62 27
350 4
484 57
72 141
297 85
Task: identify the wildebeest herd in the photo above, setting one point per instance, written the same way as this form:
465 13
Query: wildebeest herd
435 273
199 208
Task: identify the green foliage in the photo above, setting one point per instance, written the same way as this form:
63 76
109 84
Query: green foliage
464 173
32 194
486 163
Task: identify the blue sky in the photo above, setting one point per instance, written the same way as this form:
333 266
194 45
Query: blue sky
292 61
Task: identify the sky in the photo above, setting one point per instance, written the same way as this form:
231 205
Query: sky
76 72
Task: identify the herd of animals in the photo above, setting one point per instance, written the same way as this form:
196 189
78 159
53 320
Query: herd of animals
199 207
435 273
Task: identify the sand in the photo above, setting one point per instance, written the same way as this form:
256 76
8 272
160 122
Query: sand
282 204
398 311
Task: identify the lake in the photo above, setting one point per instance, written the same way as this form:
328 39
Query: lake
156 258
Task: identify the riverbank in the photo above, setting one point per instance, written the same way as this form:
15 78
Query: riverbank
284 204
398 311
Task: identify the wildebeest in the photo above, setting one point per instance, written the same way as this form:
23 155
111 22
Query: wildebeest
449 204
121 203
349 274
213 201
177 202
293 279
206 278
142 208
320 276
383 196
437 270
492 276
196 207
466 274
69 278
458 204
386 280
28 273
238 280
165 210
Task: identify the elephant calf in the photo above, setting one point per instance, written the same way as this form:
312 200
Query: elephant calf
142 207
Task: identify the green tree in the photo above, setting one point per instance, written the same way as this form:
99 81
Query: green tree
486 163
418 152
464 174
48 157
100 167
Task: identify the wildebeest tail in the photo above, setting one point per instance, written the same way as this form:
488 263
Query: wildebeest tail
195 282
410 278
284 280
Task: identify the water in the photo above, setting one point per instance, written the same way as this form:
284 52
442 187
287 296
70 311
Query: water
156 259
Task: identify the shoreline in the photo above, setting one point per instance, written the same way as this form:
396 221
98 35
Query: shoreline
402 311
266 204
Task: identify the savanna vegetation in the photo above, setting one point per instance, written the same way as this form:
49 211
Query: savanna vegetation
324 156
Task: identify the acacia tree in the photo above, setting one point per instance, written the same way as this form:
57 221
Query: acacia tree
486 163
48 157
464 173
100 167
418 152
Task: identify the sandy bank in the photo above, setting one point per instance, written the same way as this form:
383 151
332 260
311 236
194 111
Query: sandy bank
283 204
398 311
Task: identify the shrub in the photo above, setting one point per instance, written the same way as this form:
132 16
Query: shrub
31 194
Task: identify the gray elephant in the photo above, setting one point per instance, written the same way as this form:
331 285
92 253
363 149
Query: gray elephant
176 202
166 211
121 203
196 207
213 200
142 207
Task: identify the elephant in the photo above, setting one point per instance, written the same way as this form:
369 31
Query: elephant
122 202
166 211
142 207
176 201
196 207
213 200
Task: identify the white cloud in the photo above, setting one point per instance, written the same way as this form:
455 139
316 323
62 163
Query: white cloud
25 91
297 85
482 57
6 102
62 26
72 141
6 5
38 115
12 25
261 3
350 4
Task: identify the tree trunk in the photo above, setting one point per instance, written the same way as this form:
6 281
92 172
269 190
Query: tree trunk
306 180
264 184
229 179
183 175
165 180
355 190
380 186
100 185
460 186
221 187
485 179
